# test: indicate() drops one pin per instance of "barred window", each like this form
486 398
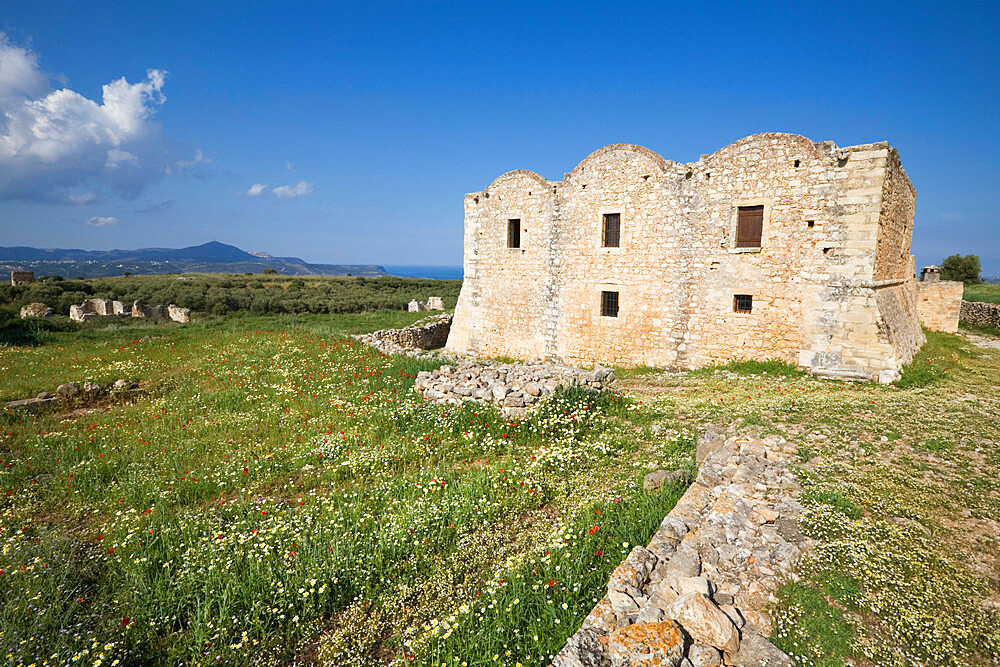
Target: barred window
609 304
742 303
612 231
514 233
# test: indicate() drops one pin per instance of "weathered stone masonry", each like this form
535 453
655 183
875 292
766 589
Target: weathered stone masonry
832 283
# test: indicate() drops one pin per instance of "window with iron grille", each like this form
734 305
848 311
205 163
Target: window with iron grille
609 304
514 233
749 226
612 232
742 303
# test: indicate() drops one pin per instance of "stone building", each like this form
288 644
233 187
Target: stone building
772 247
939 302
22 277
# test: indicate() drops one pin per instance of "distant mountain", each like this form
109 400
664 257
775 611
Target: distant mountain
212 257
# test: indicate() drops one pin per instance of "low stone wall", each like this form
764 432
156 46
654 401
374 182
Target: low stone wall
938 304
698 593
510 386
426 335
977 312
70 392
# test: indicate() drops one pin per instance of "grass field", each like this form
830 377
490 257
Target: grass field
276 493
985 292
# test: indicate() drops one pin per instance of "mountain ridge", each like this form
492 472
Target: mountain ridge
211 257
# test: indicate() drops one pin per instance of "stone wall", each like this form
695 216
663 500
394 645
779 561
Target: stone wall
834 220
22 277
698 593
425 335
94 308
939 304
975 312
513 387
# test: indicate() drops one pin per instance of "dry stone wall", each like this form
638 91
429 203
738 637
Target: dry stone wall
94 308
832 282
939 304
975 312
412 340
698 593
512 387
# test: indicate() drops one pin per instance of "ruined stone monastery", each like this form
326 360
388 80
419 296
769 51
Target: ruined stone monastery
772 247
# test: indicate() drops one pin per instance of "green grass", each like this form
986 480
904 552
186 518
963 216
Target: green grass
933 363
276 490
775 367
984 292
812 628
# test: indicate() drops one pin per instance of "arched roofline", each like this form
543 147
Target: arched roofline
806 142
519 172
650 155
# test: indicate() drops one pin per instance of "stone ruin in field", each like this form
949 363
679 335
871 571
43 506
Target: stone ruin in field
22 277
432 303
775 246
97 308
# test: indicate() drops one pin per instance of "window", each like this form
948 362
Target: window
749 226
742 303
612 234
514 233
609 304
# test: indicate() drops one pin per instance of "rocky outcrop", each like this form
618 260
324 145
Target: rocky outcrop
977 312
424 335
513 387
36 310
709 572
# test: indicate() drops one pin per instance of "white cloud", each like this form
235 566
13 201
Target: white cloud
57 145
102 222
289 191
288 165
256 190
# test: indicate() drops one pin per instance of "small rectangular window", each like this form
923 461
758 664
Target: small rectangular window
514 233
749 226
612 231
742 303
609 304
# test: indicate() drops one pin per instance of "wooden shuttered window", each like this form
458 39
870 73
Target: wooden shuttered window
514 233
749 226
611 233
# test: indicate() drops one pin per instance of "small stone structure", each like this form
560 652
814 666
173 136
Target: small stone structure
977 312
36 310
22 277
938 301
698 593
413 340
433 303
512 387
930 273
93 308
775 246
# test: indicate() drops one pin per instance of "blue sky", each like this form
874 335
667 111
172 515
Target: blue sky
363 124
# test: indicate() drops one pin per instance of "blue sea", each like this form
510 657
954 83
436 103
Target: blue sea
424 271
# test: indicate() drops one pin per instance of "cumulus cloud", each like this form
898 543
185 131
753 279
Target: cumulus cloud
108 221
290 191
57 145
282 191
